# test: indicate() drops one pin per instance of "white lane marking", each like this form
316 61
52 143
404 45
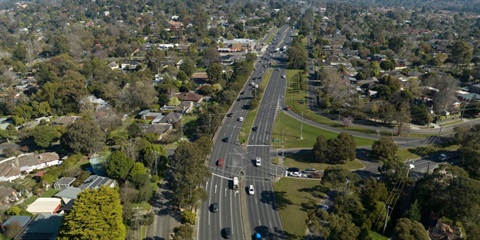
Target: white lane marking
215 188
206 185
269 222
214 174
256 203
236 193
225 192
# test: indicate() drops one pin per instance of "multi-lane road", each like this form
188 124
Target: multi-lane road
246 214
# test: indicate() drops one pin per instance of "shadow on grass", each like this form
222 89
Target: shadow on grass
422 151
281 201
304 155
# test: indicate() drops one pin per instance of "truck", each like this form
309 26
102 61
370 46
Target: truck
235 183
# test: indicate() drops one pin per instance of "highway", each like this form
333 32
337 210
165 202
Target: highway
244 214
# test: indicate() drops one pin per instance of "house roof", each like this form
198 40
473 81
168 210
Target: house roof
65 181
189 96
44 205
44 226
34 159
69 192
200 75
95 181
154 128
5 192
65 120
171 117
23 220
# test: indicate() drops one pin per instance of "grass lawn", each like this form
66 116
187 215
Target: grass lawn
303 159
143 205
291 133
251 115
186 118
50 192
296 99
376 236
423 151
291 195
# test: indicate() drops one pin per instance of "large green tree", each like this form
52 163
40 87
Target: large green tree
119 165
409 230
83 136
45 135
384 149
96 214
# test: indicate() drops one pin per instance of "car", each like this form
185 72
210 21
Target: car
287 108
220 162
258 236
283 76
240 119
309 170
227 233
258 161
251 191
229 114
294 174
214 207
225 139
255 128
442 157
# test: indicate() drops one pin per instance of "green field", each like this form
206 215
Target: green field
291 194
291 133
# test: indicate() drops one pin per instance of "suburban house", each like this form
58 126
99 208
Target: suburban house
95 181
148 115
64 121
22 220
63 182
189 96
171 118
43 226
113 65
8 195
45 205
130 65
12 168
200 77
184 107
158 129
68 196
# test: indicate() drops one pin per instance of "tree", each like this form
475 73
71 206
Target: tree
320 149
211 56
83 136
138 169
96 214
384 149
214 72
118 165
414 213
461 52
13 229
45 135
387 65
14 211
409 230
183 232
403 118
341 149
332 226
173 101
154 157
188 66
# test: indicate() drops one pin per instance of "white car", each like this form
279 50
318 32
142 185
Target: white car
294 174
258 161
250 190
240 119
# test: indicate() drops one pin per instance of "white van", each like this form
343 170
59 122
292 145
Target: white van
258 161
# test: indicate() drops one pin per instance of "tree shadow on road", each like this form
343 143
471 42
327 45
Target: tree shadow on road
154 238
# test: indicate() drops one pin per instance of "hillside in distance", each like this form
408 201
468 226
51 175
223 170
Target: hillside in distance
453 5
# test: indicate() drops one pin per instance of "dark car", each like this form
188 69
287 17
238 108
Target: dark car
229 114
225 139
214 207
255 128
227 232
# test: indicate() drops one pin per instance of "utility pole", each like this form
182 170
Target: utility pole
386 218
301 128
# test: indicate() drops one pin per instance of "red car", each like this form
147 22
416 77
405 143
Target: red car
220 162
287 108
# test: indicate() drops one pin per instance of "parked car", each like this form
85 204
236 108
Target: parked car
442 157
251 191
287 108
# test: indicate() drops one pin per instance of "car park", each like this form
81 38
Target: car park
251 191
